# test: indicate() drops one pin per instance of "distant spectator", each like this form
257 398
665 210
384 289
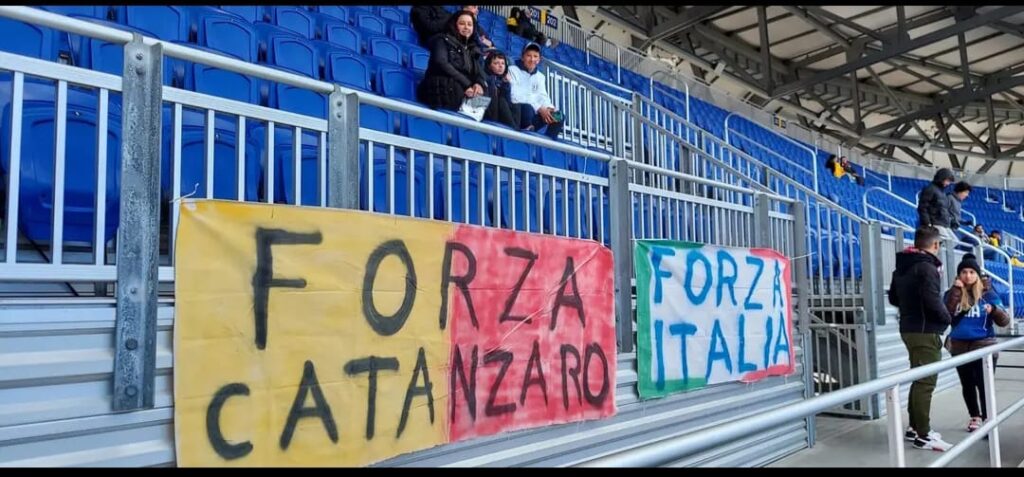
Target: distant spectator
956 199
530 93
480 36
499 89
842 167
995 238
933 205
519 23
454 71
428 21
979 232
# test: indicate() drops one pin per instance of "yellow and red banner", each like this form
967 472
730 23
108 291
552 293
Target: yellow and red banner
317 337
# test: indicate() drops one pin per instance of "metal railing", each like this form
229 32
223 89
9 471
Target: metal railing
671 449
590 114
812 173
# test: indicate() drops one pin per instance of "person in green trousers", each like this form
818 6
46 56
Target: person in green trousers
916 288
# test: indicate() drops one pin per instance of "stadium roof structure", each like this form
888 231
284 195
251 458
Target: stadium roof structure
895 81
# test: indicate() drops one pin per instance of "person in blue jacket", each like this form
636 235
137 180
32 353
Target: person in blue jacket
975 308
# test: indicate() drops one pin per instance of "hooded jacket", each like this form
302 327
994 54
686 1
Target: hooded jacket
454 66
428 21
932 203
916 289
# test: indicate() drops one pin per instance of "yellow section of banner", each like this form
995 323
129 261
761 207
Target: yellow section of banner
306 337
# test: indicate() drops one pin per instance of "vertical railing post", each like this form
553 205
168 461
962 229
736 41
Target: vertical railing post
800 264
620 212
762 222
138 234
874 308
894 411
989 378
343 150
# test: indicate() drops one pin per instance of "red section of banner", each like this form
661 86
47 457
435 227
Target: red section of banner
531 367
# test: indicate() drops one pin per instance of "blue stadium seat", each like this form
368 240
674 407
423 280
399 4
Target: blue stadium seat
298 20
394 15
417 57
166 22
37 161
347 68
297 55
371 22
403 33
397 83
108 57
251 13
337 11
29 40
344 36
225 159
384 48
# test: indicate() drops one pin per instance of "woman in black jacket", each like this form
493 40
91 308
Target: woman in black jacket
455 70
500 91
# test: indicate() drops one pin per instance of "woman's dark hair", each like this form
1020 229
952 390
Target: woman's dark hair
454 20
494 55
514 13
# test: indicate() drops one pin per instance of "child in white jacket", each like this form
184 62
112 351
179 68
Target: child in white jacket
530 94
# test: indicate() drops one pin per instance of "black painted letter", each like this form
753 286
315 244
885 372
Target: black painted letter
596 400
506 359
510 302
321 409
263 278
388 325
566 350
462 283
469 389
413 390
571 301
371 365
539 380
220 445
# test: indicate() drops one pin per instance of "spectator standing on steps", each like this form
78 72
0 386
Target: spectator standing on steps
975 309
428 21
956 199
933 205
916 290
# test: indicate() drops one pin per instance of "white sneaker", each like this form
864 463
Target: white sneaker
932 443
974 424
911 434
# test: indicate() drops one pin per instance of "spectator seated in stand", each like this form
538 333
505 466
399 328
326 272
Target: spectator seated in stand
519 23
994 239
455 71
499 89
843 168
530 94
979 232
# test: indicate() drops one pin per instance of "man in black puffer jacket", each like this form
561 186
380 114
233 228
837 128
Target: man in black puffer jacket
428 21
933 205
916 288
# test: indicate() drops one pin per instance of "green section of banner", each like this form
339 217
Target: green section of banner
642 264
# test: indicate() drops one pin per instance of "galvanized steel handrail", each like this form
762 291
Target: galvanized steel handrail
814 154
114 35
706 136
668 450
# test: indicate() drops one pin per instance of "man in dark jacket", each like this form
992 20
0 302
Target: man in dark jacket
933 205
916 289
428 20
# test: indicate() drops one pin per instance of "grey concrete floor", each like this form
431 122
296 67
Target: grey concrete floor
844 442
